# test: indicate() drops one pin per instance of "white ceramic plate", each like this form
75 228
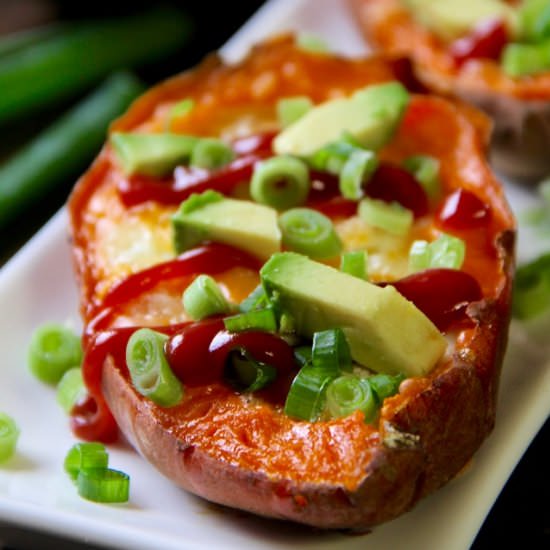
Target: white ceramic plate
37 286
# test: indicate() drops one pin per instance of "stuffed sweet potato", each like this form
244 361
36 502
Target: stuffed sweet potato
494 63
257 415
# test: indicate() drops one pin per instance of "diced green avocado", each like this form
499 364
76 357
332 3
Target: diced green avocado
152 154
450 19
385 332
370 117
239 223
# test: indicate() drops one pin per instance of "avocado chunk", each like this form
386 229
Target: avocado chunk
152 154
385 332
450 19
243 224
370 117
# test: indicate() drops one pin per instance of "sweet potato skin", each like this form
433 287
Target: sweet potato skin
519 107
426 434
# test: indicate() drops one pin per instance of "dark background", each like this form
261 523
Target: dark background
520 516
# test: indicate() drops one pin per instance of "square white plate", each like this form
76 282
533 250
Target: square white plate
37 286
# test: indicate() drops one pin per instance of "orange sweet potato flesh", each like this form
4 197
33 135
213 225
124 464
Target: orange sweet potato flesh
519 107
245 453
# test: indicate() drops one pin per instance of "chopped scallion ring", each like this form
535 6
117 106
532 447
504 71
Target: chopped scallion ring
330 351
258 319
290 109
179 110
103 485
312 43
419 255
333 156
257 299
149 370
85 456
447 251
532 288
53 350
280 182
357 170
425 169
355 263
302 354
306 397
71 389
391 217
210 153
204 298
247 374
350 393
9 434
309 232
385 385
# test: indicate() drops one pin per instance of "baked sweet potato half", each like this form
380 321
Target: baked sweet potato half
243 444
469 66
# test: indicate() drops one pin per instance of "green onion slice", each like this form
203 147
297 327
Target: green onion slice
385 385
247 374
357 170
333 156
391 217
257 299
350 393
306 397
204 298
9 434
71 389
312 43
149 370
425 169
419 255
355 263
290 109
532 288
525 59
330 351
211 153
447 251
85 456
258 319
53 350
280 182
309 232
302 354
103 485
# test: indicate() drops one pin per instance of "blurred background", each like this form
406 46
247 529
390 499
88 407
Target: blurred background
521 515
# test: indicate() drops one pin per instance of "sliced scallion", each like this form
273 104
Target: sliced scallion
419 255
350 393
53 350
385 385
149 370
333 156
356 172
425 169
179 110
85 456
354 263
310 233
257 299
280 182
71 389
330 351
103 485
247 374
210 153
312 43
447 251
391 217
306 397
302 354
258 319
204 298
290 109
9 434
532 288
